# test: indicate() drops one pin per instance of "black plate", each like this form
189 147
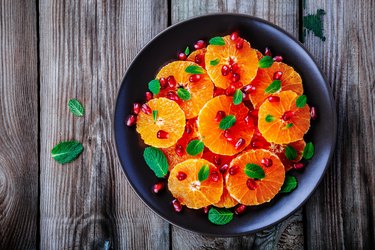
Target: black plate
162 49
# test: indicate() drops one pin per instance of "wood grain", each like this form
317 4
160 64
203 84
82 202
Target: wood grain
18 125
340 215
86 47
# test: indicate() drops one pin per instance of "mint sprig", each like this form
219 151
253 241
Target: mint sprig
217 40
187 51
273 87
301 101
154 86
254 171
214 62
154 115
290 153
195 147
76 107
290 183
265 62
203 173
308 151
194 69
237 97
220 216
66 151
183 94
227 122
156 160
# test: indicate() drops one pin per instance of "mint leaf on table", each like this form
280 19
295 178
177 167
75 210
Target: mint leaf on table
220 216
154 86
194 69
217 40
301 101
195 147
183 94
156 160
214 62
290 183
254 171
203 173
273 87
66 151
290 153
227 122
76 107
237 97
265 62
308 151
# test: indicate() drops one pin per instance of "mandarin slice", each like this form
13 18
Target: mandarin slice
260 191
215 138
170 118
283 122
226 200
192 192
197 56
200 91
244 61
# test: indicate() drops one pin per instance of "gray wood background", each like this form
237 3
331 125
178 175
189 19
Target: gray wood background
52 51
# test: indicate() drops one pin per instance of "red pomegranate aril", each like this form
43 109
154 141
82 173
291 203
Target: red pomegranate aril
198 59
298 165
179 150
273 98
188 129
313 113
245 97
131 120
277 75
287 116
217 160
146 109
235 77
225 70
171 81
182 56
214 176
148 96
177 206
181 176
230 90
219 91
171 95
199 44
267 52
156 188
161 134
206 209
219 115
248 119
240 209
233 36
248 89
239 44
163 83
228 135
251 184
224 168
234 170
254 113
136 108
234 68
278 58
267 162
240 142
259 144
195 78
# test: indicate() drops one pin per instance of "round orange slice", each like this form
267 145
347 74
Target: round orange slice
165 116
192 192
226 200
215 138
197 56
200 91
244 61
283 122
250 191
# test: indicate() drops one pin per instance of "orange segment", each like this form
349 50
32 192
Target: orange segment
200 54
190 191
226 200
170 118
290 80
278 130
266 188
246 59
213 137
200 91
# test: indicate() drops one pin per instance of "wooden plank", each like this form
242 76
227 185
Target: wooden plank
341 214
18 125
285 14
86 47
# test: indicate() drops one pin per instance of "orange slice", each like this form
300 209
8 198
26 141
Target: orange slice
197 56
265 189
279 150
283 122
192 192
170 118
226 200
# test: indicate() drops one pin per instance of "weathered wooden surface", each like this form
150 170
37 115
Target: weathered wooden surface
18 124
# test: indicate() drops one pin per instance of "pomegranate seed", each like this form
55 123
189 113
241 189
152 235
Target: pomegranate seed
146 109
234 68
231 61
182 56
181 176
177 206
188 129
234 170
171 81
249 89
224 168
254 113
277 75
225 70
278 58
148 96
239 44
235 77
179 150
239 143
287 116
298 165
313 113
217 160
199 44
163 83
171 95
249 119
156 188
195 78
219 91
161 134
267 52
240 209
245 97
198 59
215 176
219 115
206 209
267 162
273 98
136 108
230 90
259 144
251 184
228 135
131 120
233 36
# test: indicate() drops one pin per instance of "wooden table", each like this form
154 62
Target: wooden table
52 51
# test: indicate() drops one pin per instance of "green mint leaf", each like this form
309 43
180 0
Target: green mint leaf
183 94
265 62
270 118
156 160
203 173
217 40
154 86
76 107
308 151
289 125
214 62
195 147
220 216
254 171
290 183
227 122
194 69
273 87
155 115
290 153
301 101
237 97
187 51
66 151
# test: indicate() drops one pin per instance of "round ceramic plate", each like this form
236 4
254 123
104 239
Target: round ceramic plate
163 49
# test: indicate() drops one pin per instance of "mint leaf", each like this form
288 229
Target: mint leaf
76 107
66 151
270 118
289 125
237 97
290 153
214 62
203 173
308 151
265 62
273 87
156 160
301 101
227 122
254 171
217 40
220 216
195 147
187 51
290 183
183 94
194 69
155 115
154 86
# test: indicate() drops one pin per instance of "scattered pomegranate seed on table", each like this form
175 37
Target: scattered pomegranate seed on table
156 188
240 209
251 184
131 120
136 108
146 109
219 116
267 162
177 206
181 176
